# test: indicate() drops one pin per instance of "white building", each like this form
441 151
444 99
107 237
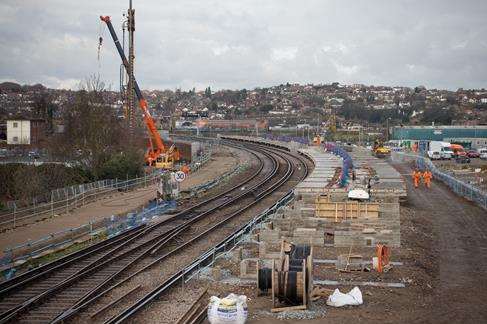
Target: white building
18 132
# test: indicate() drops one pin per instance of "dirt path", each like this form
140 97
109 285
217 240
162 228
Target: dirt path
461 246
444 251
221 162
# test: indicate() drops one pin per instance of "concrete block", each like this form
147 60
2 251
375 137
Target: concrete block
248 268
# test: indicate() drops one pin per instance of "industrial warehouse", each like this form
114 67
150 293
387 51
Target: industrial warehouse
468 136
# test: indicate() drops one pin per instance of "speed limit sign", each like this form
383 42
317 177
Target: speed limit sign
180 176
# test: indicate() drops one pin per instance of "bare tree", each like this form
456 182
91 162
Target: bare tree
92 131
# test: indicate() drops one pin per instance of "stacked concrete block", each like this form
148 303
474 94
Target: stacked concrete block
248 268
270 250
311 236
268 235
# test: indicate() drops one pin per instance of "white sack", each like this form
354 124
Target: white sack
338 299
229 310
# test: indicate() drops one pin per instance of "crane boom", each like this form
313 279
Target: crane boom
149 121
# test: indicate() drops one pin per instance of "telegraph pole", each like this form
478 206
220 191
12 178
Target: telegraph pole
130 86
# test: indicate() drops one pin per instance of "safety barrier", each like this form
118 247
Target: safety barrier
347 161
66 199
298 139
110 226
461 188
209 257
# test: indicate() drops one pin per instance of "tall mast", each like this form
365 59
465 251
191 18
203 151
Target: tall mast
130 86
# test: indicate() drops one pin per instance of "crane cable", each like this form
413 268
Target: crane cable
101 32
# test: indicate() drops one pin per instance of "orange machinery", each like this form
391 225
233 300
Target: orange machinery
157 155
458 150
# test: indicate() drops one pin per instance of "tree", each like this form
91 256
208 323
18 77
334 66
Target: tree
208 92
93 133
265 108
122 165
213 106
438 115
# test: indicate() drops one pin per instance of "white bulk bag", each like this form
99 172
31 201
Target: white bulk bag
229 310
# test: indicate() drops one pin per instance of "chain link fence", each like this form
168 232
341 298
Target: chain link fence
109 226
458 186
65 199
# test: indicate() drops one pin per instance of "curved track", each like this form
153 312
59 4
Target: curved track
64 287
291 164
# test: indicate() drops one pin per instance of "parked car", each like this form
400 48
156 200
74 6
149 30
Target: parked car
473 154
34 154
483 153
483 156
462 159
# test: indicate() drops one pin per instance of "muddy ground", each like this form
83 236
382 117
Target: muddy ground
443 251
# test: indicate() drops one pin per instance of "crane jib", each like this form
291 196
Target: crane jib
161 149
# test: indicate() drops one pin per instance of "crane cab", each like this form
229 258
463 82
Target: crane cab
163 162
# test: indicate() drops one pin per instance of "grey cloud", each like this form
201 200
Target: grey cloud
235 44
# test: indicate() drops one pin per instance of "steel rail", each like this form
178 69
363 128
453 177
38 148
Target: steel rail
170 282
88 299
67 260
24 306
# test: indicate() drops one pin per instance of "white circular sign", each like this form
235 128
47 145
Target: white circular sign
180 176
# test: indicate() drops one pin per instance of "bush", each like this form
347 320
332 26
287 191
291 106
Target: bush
24 182
122 165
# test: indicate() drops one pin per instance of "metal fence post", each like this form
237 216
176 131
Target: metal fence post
91 231
67 201
15 209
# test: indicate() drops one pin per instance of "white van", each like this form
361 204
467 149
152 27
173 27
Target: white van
483 153
439 150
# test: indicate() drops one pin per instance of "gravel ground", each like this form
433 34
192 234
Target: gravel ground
443 237
222 161
152 277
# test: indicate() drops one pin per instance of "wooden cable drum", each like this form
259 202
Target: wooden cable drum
300 252
289 287
264 279
295 265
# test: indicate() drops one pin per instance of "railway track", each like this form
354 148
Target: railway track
129 313
63 288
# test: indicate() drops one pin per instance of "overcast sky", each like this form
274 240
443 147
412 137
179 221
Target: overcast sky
246 43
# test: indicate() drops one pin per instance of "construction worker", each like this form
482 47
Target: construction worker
185 169
427 178
416 177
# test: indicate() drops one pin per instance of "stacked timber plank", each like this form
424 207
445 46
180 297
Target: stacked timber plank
390 181
325 168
